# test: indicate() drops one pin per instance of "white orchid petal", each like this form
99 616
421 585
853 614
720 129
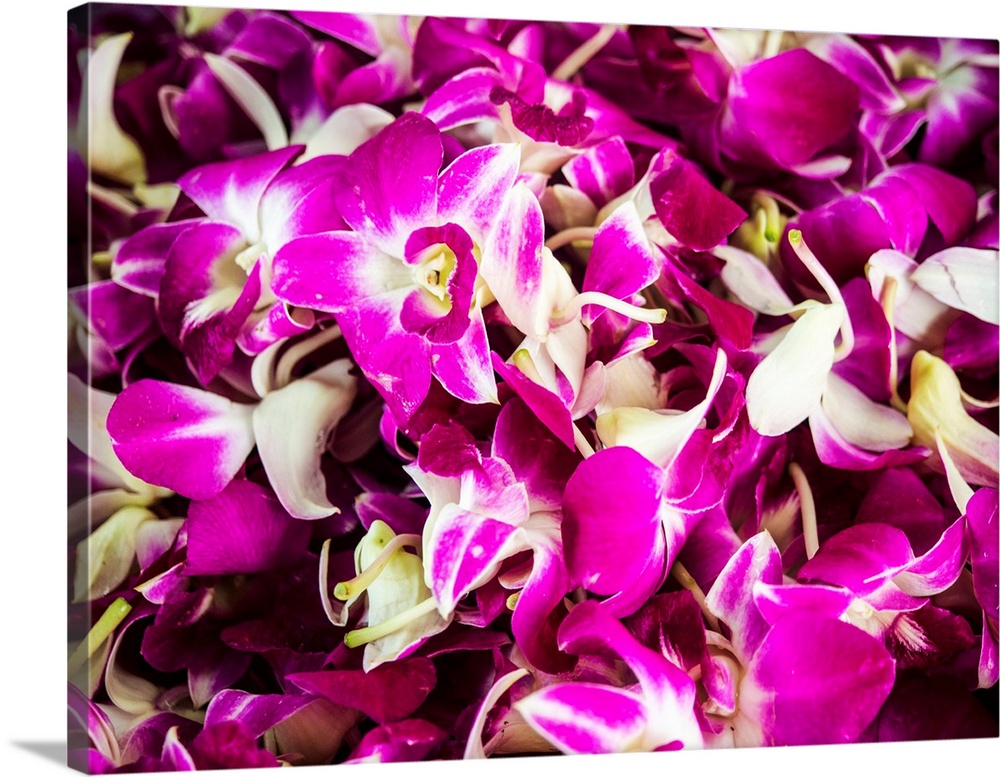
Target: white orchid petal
111 152
252 98
861 421
789 382
966 279
291 427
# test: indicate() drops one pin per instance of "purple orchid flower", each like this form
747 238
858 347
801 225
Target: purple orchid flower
425 253
821 704
210 275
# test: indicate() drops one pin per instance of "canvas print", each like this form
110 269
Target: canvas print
458 388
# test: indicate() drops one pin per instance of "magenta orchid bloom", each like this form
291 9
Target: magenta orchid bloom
425 253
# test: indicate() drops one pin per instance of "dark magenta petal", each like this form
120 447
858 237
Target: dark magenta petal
950 202
843 234
861 558
537 458
256 713
378 82
697 214
548 407
114 313
793 104
924 708
730 321
867 365
981 513
611 519
538 611
389 692
396 362
241 531
228 745
816 680
927 637
971 346
901 209
620 261
404 516
539 122
673 624
923 520
412 739
448 451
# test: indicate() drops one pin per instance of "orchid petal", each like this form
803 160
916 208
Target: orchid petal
252 98
731 597
389 692
815 681
938 568
610 520
333 271
789 383
935 408
231 191
186 439
512 261
471 190
585 718
256 713
963 278
106 557
110 151
862 422
292 426
243 530
345 130
140 261
390 184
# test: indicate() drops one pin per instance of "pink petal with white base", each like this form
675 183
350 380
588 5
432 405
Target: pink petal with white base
390 183
231 191
586 718
335 270
512 261
472 189
731 597
185 439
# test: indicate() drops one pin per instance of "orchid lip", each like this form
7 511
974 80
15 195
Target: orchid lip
435 266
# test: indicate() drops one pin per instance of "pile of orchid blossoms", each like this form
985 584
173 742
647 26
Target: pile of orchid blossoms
450 388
